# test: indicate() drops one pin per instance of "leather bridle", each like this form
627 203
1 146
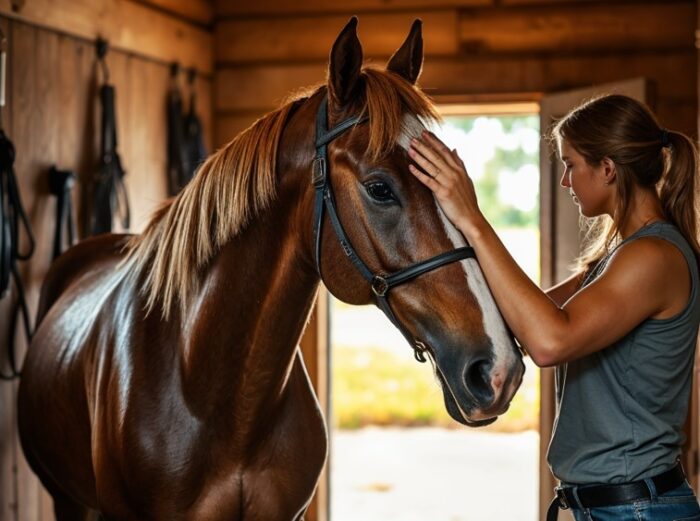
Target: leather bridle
380 283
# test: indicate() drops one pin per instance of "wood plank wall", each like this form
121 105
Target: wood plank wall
475 49
53 118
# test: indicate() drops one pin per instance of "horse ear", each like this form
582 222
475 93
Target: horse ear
408 60
345 64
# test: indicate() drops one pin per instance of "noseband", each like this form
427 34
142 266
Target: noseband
380 283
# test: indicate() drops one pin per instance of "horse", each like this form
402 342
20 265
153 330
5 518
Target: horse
165 380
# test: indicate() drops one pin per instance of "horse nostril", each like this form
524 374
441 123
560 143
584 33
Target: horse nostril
478 380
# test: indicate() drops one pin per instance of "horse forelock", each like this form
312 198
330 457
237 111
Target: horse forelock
238 182
397 111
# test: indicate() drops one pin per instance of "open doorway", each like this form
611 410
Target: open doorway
396 454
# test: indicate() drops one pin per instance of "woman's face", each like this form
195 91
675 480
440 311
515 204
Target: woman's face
588 185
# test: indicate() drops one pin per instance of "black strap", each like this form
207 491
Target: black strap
61 183
12 217
177 157
466 252
195 150
597 496
186 149
109 197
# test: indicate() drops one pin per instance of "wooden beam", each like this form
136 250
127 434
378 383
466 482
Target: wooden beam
263 87
128 26
309 38
198 11
578 2
671 72
494 74
579 28
227 8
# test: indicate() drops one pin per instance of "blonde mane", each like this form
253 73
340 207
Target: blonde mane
238 182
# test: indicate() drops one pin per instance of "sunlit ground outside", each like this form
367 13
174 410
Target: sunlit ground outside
396 453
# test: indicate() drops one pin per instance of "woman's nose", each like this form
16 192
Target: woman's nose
564 182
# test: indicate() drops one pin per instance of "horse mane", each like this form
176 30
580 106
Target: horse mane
236 183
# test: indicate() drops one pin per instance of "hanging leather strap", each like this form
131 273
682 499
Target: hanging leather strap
186 149
12 219
195 150
177 157
109 197
60 183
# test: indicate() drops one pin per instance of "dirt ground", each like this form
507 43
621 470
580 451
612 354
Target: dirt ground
433 474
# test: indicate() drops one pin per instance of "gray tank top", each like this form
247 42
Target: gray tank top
621 410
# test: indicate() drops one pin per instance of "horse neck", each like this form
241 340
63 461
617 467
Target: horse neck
253 305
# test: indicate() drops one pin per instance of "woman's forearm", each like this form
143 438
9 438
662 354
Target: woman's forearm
536 321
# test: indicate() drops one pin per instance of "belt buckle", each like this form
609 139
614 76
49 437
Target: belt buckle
561 498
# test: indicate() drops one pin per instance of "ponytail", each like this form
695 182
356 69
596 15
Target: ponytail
678 187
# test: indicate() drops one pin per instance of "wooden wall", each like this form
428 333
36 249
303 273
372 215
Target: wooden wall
52 115
475 49
252 54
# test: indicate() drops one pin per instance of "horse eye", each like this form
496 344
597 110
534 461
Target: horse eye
380 191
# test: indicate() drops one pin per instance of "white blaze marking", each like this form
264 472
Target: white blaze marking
494 325
412 127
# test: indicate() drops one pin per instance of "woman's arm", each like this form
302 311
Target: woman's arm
565 289
631 289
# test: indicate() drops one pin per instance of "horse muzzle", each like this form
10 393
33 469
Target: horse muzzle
484 390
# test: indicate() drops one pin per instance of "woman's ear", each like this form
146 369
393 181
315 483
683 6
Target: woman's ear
609 170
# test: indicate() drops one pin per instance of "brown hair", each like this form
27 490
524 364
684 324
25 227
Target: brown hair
646 155
238 182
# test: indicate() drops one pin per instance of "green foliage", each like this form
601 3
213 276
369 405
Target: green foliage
373 386
499 213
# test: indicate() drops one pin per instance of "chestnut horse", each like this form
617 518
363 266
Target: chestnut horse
165 380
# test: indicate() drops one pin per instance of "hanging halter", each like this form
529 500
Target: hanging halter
380 283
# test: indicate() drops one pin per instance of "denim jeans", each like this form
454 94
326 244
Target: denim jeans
679 504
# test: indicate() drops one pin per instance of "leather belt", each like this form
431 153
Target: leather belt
607 495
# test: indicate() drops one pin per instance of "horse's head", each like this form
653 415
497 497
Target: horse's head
392 223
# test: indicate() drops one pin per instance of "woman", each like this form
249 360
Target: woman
623 329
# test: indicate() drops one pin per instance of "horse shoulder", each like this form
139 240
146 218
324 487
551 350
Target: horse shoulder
280 482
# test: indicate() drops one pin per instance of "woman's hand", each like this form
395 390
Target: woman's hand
448 179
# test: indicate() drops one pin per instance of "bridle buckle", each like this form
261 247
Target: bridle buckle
380 286
318 176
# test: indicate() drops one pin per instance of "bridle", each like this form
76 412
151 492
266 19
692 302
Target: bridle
380 283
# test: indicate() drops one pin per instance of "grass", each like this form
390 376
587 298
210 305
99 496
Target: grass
373 386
